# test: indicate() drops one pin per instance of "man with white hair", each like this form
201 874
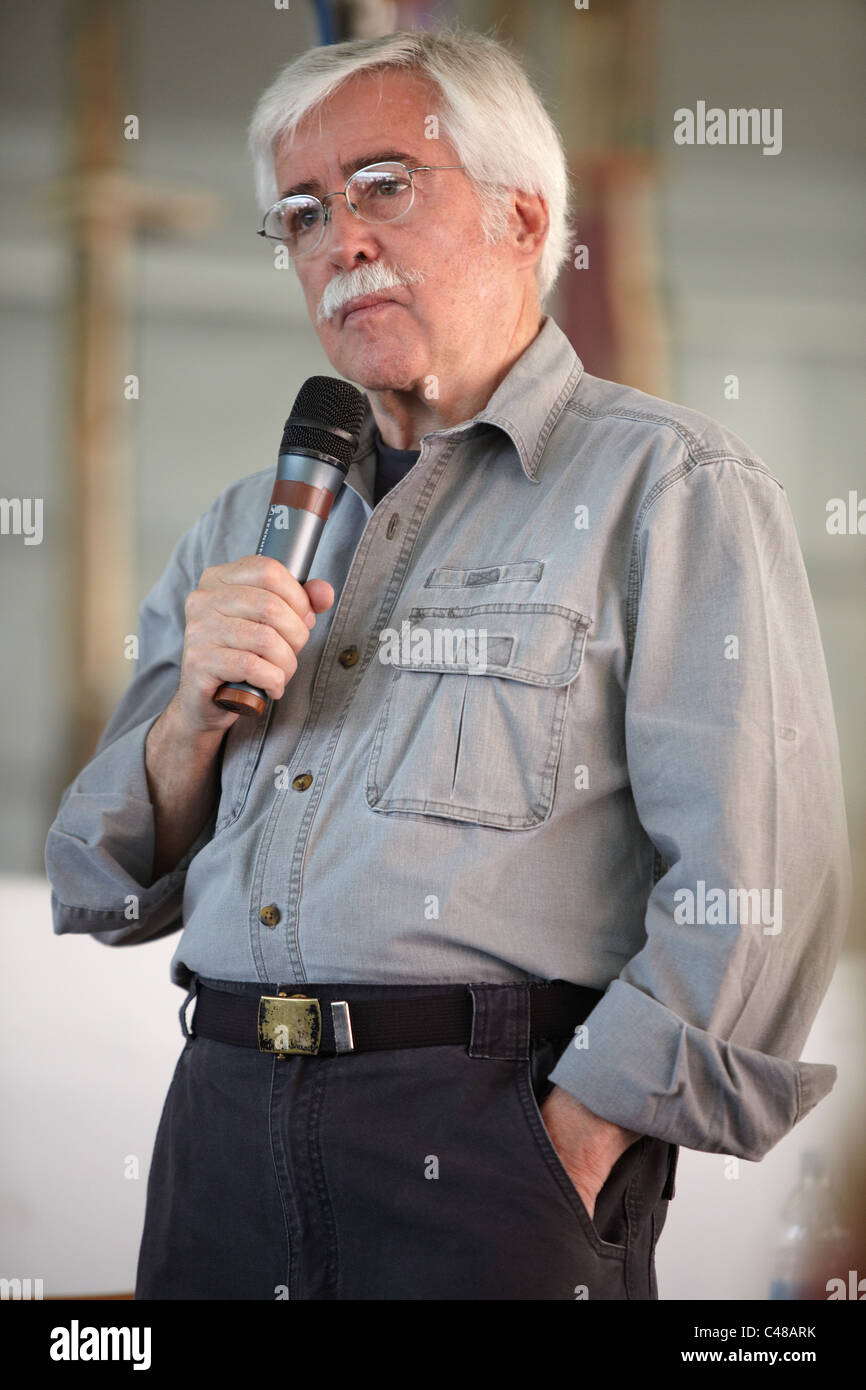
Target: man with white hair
521 919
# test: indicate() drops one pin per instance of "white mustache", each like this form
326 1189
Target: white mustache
374 278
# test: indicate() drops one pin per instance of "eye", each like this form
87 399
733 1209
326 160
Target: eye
300 219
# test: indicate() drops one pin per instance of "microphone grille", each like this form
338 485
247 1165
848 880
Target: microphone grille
326 417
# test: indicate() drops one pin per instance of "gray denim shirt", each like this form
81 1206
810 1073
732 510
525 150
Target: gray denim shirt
631 781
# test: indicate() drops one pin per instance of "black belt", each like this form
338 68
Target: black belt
326 1022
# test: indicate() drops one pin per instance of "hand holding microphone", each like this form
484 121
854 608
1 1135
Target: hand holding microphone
248 620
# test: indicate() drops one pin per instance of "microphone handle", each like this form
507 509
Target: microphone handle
306 487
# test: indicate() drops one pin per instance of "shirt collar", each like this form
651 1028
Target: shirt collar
526 404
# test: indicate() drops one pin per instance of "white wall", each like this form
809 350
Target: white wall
90 1037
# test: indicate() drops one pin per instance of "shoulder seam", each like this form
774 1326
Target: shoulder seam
652 417
696 453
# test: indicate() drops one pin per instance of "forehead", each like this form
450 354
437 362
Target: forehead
371 112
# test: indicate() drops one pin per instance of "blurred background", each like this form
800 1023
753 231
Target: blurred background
151 354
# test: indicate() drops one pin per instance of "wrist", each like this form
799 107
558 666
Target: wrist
172 731
596 1141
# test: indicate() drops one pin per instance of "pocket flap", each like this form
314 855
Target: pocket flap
541 643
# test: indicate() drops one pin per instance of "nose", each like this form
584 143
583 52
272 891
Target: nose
348 237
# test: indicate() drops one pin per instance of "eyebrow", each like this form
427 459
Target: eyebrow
352 166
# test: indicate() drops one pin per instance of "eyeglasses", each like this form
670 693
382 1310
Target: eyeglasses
377 193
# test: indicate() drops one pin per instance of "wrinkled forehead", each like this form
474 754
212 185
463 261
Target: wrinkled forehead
368 112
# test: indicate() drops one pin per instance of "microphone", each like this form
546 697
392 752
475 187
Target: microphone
319 442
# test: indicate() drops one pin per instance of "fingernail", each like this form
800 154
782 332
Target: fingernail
310 619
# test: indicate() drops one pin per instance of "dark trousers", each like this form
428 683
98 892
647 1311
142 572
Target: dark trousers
414 1173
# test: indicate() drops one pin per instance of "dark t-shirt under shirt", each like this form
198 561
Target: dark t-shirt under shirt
391 466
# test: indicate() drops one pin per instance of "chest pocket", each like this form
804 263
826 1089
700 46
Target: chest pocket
241 751
471 740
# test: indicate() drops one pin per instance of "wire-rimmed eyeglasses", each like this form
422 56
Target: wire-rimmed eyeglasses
377 193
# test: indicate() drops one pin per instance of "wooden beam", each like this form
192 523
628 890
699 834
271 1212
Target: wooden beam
100 516
105 210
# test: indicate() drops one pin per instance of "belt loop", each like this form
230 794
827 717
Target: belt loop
500 1021
193 991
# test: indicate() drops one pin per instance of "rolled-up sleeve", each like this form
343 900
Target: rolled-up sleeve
734 767
100 847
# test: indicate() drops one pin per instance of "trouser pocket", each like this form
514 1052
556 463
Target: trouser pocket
607 1230
631 1206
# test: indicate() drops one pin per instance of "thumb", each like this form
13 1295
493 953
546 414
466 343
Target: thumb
320 593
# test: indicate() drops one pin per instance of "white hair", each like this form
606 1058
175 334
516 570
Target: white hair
490 113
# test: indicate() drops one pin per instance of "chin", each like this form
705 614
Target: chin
378 367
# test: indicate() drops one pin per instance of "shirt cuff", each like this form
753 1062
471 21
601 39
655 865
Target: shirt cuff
639 1065
99 851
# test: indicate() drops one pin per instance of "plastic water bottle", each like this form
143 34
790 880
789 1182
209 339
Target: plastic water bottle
813 1245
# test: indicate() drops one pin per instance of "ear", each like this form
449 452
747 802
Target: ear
530 225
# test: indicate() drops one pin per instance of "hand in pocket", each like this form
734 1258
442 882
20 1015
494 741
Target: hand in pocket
587 1145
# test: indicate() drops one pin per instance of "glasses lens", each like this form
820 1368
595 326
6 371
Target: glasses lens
380 192
296 222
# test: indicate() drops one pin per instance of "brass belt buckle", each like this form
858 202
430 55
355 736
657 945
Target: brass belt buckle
289 1024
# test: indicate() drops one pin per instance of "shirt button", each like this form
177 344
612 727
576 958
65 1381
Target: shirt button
348 656
302 781
270 915
392 525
